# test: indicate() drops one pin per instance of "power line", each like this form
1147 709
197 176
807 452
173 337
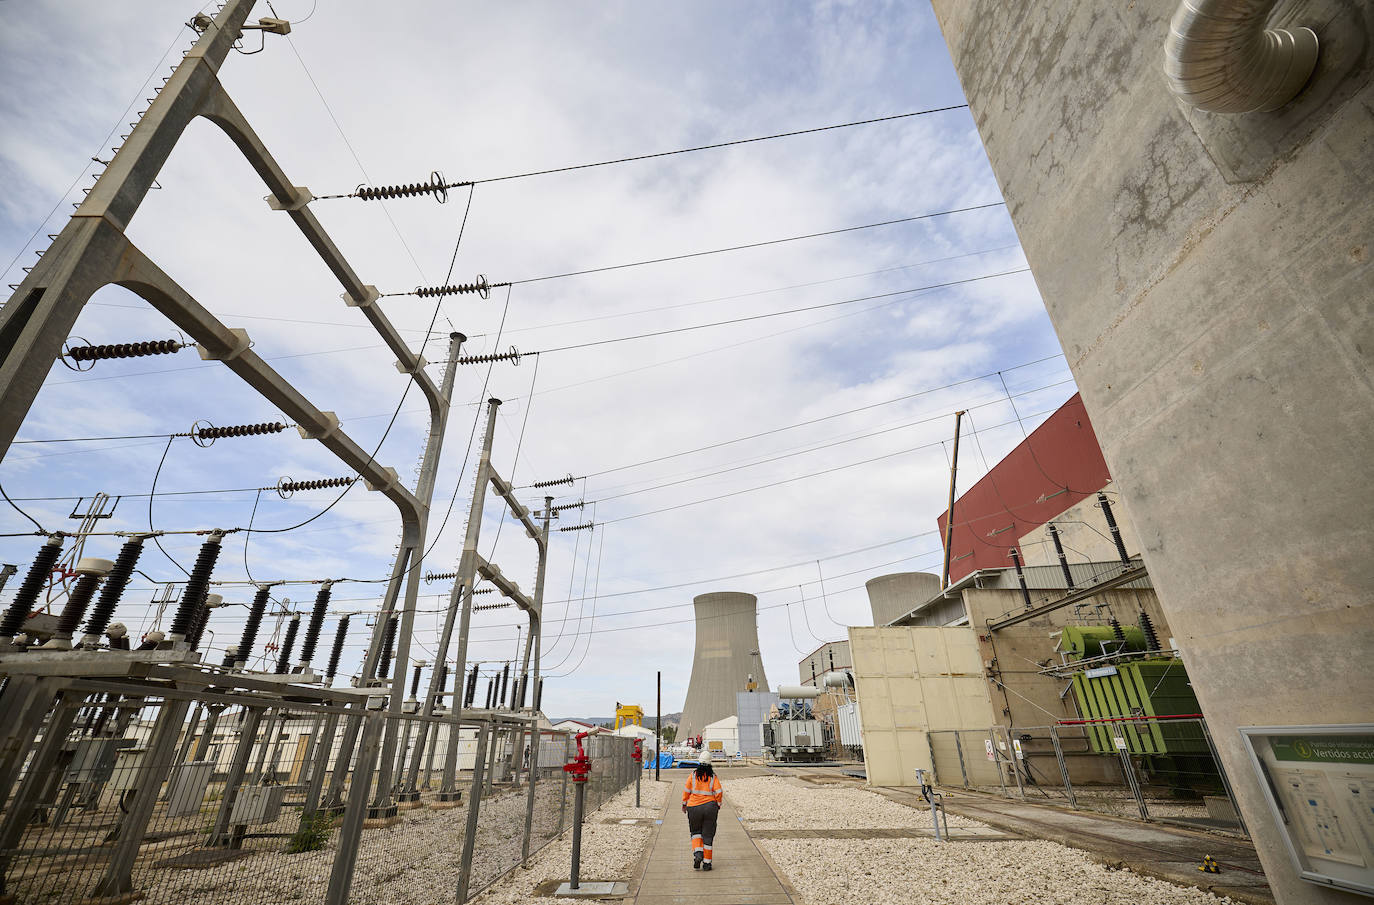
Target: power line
722 144
717 251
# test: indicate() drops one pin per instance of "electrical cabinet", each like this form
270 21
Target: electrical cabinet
257 805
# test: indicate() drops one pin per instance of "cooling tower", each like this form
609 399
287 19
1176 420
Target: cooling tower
727 639
895 595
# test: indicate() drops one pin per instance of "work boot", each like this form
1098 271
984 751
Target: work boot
696 861
706 866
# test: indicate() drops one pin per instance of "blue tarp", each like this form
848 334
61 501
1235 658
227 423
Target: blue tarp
664 760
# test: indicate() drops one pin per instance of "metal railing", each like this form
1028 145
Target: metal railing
185 798
1161 769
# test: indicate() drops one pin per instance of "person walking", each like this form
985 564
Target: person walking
701 801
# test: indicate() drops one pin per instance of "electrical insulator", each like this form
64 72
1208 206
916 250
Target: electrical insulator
312 630
250 628
505 680
431 577
286 486
492 606
75 356
208 434
113 589
538 694
284 660
339 634
480 286
415 682
554 483
197 586
27 595
582 527
513 355
388 639
436 187
1147 627
90 571
578 505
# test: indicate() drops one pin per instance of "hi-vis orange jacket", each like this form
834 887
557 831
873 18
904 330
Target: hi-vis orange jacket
700 791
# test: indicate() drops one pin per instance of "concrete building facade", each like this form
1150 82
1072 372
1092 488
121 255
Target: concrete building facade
727 654
1210 279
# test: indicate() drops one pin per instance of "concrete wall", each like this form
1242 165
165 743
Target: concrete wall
1210 281
891 596
726 631
911 681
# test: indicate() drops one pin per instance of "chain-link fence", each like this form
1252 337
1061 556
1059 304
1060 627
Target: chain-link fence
189 796
1162 769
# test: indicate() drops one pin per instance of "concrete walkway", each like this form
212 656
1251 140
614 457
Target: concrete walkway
740 875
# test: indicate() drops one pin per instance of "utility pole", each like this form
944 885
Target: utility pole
658 728
949 513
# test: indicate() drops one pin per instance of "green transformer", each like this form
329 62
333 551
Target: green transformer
1140 688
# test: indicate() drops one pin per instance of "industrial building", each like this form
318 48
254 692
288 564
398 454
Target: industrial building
1197 218
999 647
726 660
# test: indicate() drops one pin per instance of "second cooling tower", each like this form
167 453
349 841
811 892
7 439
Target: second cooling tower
726 655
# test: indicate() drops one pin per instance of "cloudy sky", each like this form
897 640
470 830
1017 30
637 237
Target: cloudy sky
764 455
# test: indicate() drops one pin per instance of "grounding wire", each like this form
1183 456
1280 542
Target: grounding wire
19 510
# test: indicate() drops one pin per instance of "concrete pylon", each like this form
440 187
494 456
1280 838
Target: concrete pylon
895 595
726 655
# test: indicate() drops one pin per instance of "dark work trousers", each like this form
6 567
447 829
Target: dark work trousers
701 822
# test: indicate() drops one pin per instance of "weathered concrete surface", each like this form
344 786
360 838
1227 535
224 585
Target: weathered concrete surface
1210 281
1162 852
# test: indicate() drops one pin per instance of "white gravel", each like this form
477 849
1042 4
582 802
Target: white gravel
775 802
609 851
923 871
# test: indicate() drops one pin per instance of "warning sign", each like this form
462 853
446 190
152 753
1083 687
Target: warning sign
987 743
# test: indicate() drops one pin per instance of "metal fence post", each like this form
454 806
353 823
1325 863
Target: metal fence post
531 781
997 760
237 768
323 746
26 797
1128 769
1063 765
484 740
563 795
350 834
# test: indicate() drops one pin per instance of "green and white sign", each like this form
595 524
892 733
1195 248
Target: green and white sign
1324 749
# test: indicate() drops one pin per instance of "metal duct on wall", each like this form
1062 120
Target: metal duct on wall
1220 57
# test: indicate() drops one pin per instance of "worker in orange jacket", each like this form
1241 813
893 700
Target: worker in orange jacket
701 801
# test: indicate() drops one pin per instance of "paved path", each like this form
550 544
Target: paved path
740 875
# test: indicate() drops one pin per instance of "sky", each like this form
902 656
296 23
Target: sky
792 455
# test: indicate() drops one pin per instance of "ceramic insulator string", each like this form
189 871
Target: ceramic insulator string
212 433
312 630
537 485
388 640
479 287
513 355
91 353
436 186
287 486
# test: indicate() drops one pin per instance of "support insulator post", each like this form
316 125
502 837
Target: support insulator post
115 582
339 634
90 571
250 628
1063 560
470 688
1117 631
1112 527
197 586
388 640
27 595
491 688
312 629
284 661
1021 577
538 694
505 680
415 682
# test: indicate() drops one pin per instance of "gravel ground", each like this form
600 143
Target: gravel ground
923 871
609 851
775 802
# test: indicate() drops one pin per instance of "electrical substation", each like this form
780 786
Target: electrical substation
1078 605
